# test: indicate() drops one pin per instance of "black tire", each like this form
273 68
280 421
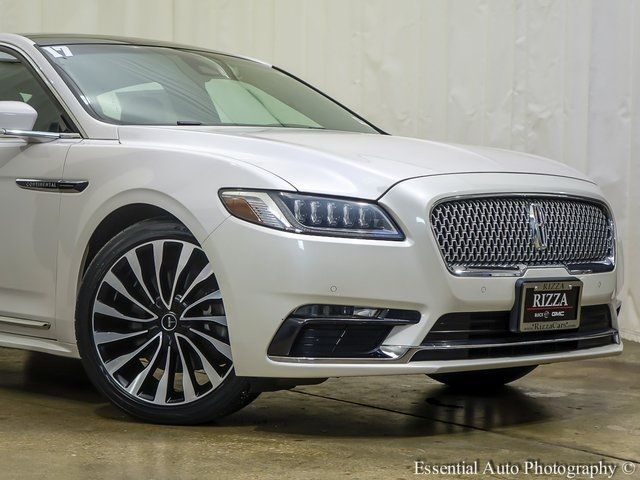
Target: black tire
481 380
226 394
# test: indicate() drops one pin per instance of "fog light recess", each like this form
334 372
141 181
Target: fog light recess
338 331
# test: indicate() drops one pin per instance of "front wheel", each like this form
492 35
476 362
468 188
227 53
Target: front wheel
482 379
152 330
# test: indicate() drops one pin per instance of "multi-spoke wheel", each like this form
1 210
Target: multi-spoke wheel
152 329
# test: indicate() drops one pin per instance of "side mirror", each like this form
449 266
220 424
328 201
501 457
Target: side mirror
17 116
17 120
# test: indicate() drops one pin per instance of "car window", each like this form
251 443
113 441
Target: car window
17 83
135 103
241 103
144 85
234 103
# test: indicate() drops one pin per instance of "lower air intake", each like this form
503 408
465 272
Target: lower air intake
337 331
482 335
339 341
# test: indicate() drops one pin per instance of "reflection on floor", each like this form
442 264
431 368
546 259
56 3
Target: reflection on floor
53 424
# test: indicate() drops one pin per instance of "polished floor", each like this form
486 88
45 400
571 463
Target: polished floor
54 425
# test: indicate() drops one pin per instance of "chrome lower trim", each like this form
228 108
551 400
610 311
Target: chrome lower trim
21 322
593 267
464 271
404 354
465 346
342 361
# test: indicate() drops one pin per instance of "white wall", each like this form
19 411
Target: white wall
559 78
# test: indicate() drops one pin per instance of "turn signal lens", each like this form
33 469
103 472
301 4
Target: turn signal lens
254 207
312 214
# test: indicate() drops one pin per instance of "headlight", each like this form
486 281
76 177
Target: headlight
312 214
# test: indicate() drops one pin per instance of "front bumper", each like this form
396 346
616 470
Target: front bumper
266 274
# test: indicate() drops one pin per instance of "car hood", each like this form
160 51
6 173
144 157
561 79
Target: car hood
344 163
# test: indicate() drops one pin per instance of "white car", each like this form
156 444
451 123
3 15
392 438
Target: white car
199 227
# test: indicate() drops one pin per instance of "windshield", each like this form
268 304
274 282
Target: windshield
143 85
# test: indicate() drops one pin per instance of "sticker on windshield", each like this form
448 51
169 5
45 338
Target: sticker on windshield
60 51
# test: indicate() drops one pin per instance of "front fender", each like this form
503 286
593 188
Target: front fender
183 183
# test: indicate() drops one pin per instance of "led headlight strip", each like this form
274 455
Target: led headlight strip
312 214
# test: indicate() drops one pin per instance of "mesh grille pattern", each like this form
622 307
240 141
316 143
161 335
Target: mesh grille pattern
493 232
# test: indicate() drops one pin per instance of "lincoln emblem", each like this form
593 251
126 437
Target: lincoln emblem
169 322
538 226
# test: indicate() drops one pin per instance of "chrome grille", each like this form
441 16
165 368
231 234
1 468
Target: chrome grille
494 232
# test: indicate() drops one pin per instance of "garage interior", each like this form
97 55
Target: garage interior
557 78
54 422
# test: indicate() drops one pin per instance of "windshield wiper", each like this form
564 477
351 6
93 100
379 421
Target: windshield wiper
285 125
292 125
188 123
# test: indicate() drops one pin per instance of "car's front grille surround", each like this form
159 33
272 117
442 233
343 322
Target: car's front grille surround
493 232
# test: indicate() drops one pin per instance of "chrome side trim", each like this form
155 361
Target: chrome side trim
405 354
21 322
607 265
48 185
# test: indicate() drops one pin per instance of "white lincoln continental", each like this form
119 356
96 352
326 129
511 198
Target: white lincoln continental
199 227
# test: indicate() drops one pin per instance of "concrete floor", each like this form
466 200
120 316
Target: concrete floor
54 425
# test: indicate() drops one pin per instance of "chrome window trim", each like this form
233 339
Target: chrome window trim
47 84
608 264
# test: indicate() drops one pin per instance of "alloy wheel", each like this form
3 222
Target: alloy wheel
159 324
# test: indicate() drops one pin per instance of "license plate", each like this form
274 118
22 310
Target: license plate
547 305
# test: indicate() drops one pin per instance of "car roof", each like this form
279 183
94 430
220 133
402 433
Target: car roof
52 39
49 39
